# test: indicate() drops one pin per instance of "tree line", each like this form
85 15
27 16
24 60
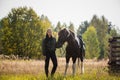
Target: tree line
22 31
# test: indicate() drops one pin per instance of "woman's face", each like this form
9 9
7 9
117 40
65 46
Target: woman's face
49 32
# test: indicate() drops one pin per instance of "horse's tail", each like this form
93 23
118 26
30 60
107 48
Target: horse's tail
83 56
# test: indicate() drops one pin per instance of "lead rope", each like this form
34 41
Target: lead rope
63 51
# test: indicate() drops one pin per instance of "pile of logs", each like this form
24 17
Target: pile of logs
114 54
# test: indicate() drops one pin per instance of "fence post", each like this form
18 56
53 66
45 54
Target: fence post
114 54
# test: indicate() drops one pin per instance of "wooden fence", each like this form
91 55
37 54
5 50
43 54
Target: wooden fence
114 54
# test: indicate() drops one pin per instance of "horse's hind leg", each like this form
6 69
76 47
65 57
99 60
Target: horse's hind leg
74 66
82 66
66 67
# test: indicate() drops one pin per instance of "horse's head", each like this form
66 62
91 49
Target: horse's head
62 37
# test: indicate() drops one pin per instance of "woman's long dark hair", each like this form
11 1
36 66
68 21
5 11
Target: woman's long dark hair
47 38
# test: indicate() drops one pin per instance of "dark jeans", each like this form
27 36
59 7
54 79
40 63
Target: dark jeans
54 61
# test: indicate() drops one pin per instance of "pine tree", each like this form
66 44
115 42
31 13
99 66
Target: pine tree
58 27
83 27
101 26
71 27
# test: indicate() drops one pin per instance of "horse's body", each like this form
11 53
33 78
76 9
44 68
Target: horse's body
74 48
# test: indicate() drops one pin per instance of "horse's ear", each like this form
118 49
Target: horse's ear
66 30
63 28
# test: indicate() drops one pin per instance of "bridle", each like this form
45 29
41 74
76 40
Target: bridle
68 35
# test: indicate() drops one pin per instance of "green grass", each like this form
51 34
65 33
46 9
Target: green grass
34 70
92 76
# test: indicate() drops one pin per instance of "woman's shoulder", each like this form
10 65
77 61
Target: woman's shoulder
43 40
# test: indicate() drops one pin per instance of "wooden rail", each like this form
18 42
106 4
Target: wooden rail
114 54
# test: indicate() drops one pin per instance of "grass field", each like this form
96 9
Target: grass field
34 70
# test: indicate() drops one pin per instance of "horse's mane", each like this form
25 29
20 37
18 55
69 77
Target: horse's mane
72 33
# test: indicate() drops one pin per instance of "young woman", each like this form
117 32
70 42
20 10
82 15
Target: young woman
49 47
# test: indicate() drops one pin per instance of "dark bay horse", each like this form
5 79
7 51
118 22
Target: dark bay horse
74 48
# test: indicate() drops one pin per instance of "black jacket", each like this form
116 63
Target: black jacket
48 45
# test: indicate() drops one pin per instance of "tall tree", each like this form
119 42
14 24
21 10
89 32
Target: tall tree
92 43
64 25
71 27
101 26
111 30
83 27
58 27
45 24
23 31
0 37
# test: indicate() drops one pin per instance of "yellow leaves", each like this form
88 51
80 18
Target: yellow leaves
55 34
23 31
10 50
92 43
92 30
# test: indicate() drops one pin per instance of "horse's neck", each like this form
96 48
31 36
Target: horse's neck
70 40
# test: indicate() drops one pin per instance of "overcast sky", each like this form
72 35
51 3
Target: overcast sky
67 11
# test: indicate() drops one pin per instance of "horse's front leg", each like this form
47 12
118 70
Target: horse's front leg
67 64
74 66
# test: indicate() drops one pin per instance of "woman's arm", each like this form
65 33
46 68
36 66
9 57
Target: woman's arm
43 47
